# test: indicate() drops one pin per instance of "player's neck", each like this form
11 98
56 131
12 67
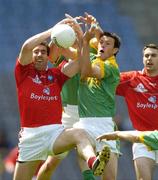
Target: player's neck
152 73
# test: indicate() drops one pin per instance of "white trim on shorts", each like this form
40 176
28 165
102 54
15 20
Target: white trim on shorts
140 150
96 126
37 143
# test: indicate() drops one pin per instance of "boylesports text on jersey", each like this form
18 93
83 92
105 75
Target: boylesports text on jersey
147 105
44 98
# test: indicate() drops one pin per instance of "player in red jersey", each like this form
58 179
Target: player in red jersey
42 134
140 90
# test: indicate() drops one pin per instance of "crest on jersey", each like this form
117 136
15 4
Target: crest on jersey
46 91
152 99
140 88
50 77
36 80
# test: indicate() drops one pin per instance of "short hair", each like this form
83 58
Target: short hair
153 46
117 39
45 43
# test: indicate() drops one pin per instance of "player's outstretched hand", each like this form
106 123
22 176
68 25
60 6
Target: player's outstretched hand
108 136
77 27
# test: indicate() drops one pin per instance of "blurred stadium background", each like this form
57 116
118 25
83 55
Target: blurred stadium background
136 23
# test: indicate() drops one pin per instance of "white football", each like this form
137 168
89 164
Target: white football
63 35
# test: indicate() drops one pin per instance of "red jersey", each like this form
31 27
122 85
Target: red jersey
39 95
141 95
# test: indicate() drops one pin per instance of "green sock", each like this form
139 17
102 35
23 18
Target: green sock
88 175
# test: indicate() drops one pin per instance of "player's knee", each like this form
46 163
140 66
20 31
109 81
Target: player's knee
81 135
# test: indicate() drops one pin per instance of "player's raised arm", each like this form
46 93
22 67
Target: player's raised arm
73 53
25 56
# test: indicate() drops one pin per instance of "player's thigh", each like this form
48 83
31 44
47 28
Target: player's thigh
25 170
68 139
144 168
144 161
110 172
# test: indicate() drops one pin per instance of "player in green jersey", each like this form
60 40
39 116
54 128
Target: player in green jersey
99 79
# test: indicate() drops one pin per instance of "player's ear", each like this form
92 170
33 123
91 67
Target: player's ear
115 50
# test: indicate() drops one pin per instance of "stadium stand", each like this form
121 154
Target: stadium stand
144 16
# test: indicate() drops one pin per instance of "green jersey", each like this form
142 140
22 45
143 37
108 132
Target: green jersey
97 97
69 91
150 139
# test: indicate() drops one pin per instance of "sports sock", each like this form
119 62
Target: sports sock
90 161
88 175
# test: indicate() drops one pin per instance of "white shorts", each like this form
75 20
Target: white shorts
70 115
96 127
140 150
37 143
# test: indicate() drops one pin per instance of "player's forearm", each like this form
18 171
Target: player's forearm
70 53
85 64
37 39
71 68
25 56
132 136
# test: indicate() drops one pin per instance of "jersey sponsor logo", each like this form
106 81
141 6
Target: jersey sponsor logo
36 80
46 91
43 97
140 88
151 104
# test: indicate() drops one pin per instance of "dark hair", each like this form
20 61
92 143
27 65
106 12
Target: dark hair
117 39
45 43
153 46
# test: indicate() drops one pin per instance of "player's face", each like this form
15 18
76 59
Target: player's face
150 60
106 47
40 57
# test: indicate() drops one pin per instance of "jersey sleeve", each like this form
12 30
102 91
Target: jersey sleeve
20 72
150 139
111 72
62 64
125 79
